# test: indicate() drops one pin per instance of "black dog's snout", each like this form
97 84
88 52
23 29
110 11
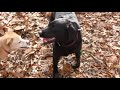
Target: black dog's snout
40 33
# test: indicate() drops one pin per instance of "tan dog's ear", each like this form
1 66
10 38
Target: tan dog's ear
3 30
9 40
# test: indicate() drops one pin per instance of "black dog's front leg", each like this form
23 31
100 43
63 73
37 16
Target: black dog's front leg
55 66
56 58
78 56
77 63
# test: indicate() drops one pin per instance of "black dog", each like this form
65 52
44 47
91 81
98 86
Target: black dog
64 27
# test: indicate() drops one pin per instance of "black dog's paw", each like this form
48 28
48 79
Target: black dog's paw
56 75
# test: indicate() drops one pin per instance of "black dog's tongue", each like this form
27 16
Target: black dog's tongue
48 40
45 39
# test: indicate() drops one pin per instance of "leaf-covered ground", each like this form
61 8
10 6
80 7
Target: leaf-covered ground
100 52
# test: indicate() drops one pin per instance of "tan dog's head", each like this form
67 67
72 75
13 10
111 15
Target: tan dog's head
12 41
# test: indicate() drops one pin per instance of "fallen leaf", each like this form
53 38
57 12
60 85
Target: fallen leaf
19 27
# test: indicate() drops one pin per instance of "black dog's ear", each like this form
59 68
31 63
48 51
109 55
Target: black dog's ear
72 28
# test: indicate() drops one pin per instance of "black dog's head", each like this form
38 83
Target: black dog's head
60 29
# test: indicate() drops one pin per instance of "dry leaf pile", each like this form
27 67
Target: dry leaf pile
100 52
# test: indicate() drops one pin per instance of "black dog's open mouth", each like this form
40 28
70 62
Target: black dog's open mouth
48 40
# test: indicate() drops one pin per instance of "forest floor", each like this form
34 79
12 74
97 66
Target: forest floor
100 51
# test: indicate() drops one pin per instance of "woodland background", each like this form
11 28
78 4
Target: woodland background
100 52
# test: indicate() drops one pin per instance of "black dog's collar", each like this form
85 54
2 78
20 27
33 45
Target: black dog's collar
69 45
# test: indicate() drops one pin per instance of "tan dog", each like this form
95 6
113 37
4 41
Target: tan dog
10 42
